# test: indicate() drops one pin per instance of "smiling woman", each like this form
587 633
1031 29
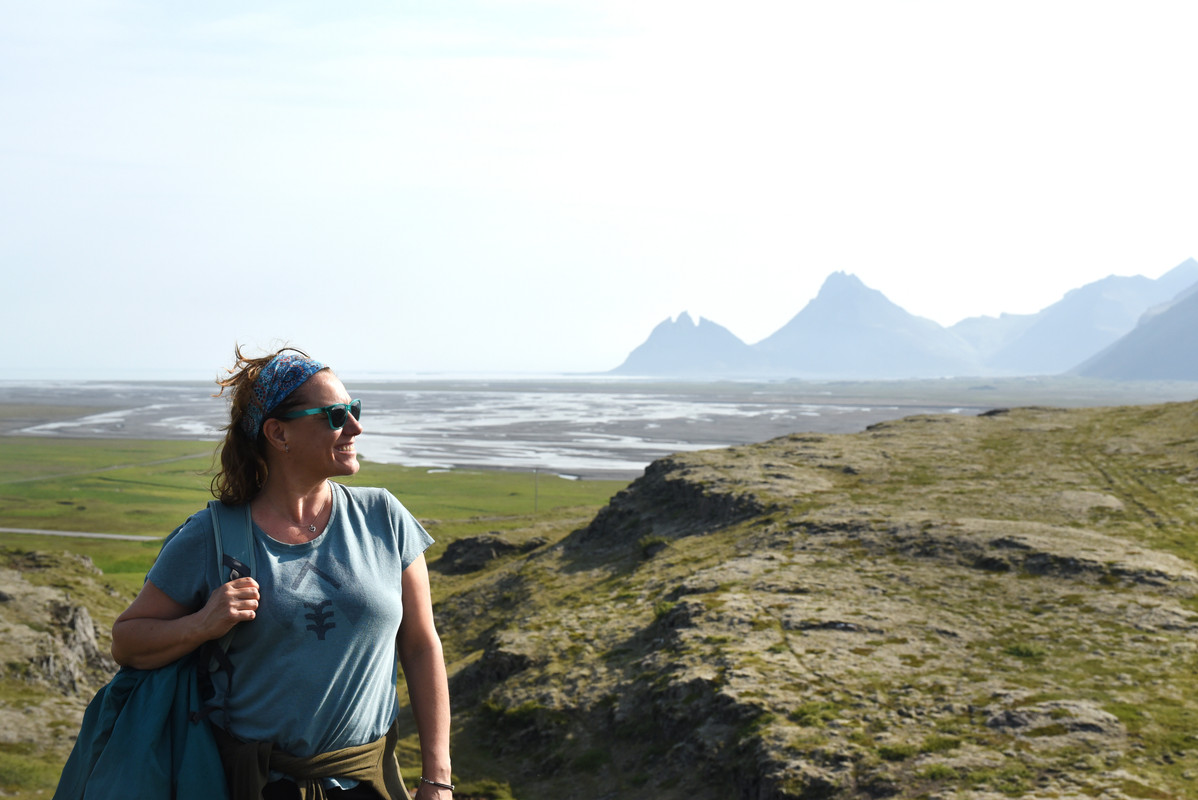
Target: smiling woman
341 581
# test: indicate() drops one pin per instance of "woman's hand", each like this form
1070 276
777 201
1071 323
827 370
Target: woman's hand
234 602
155 630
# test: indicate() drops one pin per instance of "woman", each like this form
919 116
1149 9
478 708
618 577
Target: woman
340 585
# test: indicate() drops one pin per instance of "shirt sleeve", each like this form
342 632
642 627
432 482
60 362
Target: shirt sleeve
186 565
413 538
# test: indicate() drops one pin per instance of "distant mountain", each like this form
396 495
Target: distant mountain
1164 346
989 335
685 348
852 331
1084 321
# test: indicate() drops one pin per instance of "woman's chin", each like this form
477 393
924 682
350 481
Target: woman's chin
348 464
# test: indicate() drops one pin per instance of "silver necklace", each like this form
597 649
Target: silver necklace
312 527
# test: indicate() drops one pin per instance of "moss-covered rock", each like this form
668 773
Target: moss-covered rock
971 607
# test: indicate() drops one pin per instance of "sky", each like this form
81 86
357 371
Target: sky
513 186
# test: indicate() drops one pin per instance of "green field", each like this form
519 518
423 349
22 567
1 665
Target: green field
148 487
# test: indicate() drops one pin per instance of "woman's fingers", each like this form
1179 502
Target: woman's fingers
234 602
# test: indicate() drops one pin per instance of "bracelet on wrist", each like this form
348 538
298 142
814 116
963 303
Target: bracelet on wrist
448 786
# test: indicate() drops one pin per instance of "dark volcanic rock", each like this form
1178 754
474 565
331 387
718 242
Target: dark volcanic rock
474 552
670 500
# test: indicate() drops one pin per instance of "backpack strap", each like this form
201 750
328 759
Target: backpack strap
232 531
231 525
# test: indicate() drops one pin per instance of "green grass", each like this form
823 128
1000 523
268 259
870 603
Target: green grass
149 487
897 752
152 497
20 768
104 486
939 744
938 772
1024 650
814 713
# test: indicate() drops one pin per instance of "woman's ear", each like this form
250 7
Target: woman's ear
275 433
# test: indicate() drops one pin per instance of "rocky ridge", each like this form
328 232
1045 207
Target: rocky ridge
55 655
943 606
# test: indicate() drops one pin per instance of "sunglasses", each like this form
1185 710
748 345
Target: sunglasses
338 413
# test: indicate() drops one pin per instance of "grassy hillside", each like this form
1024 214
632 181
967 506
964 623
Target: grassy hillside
940 606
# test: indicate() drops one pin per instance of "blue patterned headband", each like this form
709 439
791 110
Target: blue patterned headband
282 376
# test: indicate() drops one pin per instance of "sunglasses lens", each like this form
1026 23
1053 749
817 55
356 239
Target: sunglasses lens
339 415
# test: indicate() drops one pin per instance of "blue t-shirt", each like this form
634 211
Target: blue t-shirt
316 669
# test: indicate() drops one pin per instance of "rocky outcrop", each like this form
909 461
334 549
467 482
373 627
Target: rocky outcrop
938 607
55 655
70 657
50 639
472 553
674 498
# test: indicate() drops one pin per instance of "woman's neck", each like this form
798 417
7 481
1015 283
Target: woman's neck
292 512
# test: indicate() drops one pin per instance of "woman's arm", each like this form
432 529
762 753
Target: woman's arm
424 669
155 630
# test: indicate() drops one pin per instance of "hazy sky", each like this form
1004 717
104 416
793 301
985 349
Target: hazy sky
532 186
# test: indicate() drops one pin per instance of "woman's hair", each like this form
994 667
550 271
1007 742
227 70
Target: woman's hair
243 467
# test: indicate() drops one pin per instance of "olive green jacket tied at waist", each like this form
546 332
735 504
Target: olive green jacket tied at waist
248 766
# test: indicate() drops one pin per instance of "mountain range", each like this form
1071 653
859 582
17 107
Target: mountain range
1170 328
1118 327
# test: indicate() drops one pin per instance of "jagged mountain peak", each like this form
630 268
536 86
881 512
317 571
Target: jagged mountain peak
840 278
840 284
850 330
682 346
684 325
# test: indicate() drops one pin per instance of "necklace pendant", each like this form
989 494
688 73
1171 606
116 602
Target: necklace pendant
312 528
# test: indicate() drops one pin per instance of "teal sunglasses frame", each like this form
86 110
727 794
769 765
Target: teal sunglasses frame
353 407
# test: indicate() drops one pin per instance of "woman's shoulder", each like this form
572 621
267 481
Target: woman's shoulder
197 525
185 567
192 539
375 500
361 491
366 496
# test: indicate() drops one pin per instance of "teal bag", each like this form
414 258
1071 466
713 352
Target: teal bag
138 741
145 735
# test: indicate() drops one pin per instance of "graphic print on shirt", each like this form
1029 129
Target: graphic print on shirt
308 567
318 616
315 595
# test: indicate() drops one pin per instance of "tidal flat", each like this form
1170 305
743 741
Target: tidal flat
594 427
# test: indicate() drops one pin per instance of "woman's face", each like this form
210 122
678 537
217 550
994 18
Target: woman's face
313 445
